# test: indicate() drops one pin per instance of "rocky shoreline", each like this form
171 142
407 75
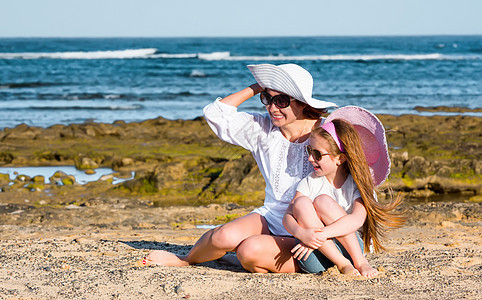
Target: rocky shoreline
182 162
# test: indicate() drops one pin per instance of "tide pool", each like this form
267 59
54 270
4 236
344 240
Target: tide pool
80 175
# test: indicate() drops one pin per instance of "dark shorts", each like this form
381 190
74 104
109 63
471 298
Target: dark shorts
317 262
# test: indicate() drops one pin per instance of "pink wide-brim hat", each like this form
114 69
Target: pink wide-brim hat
289 79
372 137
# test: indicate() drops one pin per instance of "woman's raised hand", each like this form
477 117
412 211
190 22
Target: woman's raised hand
256 88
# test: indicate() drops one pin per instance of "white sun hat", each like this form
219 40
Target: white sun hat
289 79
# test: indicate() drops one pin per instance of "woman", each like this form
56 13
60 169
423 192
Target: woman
276 140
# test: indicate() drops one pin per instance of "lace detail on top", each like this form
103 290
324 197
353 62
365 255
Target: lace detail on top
297 165
277 174
307 167
293 159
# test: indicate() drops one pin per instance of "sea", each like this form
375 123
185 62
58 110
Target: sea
47 81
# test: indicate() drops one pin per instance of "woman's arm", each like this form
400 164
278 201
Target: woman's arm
235 127
348 223
239 97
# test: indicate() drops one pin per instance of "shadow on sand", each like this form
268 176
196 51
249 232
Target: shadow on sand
183 250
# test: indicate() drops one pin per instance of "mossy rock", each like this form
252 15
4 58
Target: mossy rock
6 157
144 184
38 179
68 180
23 178
476 199
35 186
4 178
83 163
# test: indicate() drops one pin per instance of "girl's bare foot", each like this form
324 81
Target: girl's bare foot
349 270
367 270
164 258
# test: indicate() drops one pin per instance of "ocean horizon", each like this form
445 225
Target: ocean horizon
47 81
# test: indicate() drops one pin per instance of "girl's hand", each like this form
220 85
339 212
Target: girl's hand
320 235
312 237
301 251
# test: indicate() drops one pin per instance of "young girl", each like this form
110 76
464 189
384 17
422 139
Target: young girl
337 199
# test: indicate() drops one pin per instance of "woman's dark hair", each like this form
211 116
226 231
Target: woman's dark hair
312 113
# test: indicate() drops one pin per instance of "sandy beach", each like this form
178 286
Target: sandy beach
64 241
437 255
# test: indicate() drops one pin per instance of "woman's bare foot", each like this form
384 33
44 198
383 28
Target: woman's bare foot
367 270
349 270
164 258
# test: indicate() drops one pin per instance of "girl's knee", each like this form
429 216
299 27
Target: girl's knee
325 203
323 200
327 208
301 204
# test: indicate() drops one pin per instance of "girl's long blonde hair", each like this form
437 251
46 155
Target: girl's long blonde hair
379 217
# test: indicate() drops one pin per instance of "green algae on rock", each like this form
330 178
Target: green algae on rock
182 162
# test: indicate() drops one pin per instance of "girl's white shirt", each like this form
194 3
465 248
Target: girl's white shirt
282 163
312 186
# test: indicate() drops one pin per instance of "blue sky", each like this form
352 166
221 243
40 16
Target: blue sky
183 18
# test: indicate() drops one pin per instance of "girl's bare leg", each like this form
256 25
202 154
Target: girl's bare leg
329 211
213 244
352 246
307 217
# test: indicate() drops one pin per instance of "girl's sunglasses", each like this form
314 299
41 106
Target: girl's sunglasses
317 155
281 100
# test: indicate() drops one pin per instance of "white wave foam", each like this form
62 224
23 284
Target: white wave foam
112 97
215 56
126 107
77 106
226 55
203 56
197 73
431 56
167 55
116 54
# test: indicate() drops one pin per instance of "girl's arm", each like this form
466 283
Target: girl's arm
239 97
348 223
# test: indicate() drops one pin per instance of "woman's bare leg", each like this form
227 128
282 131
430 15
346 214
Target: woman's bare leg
329 211
267 253
213 244
307 217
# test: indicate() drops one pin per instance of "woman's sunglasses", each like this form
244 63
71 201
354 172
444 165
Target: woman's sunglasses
317 155
281 100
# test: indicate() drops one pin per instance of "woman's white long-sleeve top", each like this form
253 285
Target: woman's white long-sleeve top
282 163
